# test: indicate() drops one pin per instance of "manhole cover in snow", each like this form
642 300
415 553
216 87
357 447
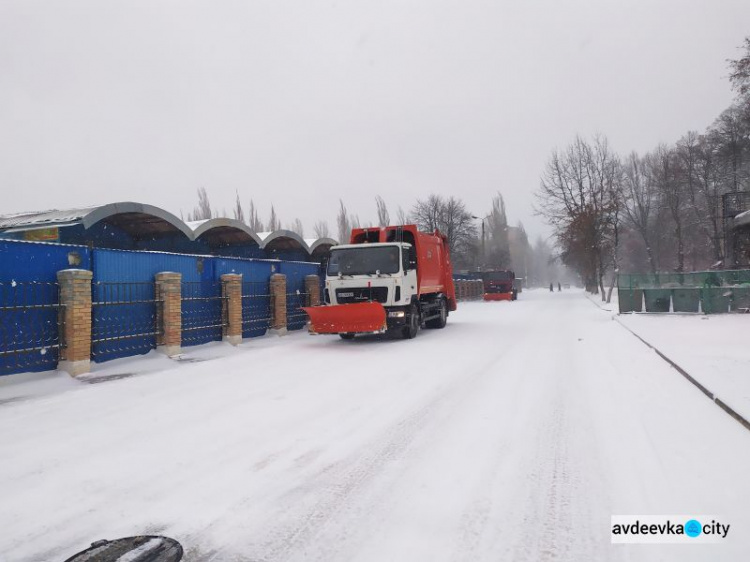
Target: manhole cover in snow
131 549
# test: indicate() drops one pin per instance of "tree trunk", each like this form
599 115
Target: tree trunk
611 288
680 248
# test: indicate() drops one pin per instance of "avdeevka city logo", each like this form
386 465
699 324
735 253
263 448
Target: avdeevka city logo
693 528
646 529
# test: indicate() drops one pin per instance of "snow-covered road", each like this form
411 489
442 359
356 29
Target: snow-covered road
513 434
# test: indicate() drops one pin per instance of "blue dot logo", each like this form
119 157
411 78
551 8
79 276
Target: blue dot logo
693 528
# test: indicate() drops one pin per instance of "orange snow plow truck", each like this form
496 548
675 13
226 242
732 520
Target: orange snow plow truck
390 279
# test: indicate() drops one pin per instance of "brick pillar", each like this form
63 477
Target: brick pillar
278 304
168 290
75 325
312 288
231 290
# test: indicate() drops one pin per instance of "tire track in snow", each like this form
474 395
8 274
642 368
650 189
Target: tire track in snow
333 491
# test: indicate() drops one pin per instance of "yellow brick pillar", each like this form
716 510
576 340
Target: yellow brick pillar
231 291
168 291
75 321
312 288
278 304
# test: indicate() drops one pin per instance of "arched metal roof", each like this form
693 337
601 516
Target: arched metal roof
321 247
284 240
226 231
137 219
140 220
322 243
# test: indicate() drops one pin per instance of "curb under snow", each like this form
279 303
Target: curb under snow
715 399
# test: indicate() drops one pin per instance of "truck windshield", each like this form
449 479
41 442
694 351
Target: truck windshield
498 276
364 260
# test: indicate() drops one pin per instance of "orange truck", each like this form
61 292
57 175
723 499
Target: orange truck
387 279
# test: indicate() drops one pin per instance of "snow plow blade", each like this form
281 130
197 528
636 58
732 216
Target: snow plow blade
356 318
498 296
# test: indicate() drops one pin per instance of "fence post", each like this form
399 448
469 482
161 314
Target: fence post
168 291
231 291
75 315
278 304
312 288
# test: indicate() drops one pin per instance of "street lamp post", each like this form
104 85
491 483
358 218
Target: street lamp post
483 255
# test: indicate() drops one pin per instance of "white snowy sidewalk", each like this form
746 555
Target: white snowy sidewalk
513 434
714 349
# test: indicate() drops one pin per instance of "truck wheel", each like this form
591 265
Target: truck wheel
411 329
346 336
439 322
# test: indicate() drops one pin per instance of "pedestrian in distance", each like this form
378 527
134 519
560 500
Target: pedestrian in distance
559 287
551 288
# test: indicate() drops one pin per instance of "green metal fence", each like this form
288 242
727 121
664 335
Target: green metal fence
710 292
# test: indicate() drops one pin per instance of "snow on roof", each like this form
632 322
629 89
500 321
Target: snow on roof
38 218
195 224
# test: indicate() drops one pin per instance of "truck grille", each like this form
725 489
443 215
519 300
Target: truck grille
362 294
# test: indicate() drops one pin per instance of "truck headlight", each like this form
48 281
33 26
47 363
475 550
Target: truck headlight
396 314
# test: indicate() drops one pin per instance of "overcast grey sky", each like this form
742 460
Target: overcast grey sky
301 102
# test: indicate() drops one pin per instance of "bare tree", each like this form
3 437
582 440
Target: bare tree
384 219
256 225
401 216
669 176
640 199
450 217
740 68
203 211
273 221
239 213
427 213
579 198
496 248
321 229
731 137
297 227
343 224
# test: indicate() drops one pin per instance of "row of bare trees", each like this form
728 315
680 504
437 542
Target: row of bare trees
204 210
659 211
484 241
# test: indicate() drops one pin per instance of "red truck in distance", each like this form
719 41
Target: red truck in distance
499 285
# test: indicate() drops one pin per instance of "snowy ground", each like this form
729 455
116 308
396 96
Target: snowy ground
714 349
513 434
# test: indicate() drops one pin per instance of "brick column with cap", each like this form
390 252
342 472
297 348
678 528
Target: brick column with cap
168 290
278 304
75 321
231 291
312 288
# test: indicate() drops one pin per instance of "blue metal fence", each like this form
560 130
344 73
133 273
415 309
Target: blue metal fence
124 308
29 302
123 319
202 307
29 332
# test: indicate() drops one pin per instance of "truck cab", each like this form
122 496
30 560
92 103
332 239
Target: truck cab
378 272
